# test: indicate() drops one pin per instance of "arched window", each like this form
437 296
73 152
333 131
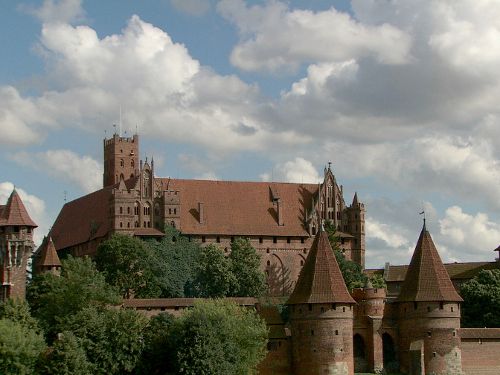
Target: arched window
147 209
122 163
136 208
132 164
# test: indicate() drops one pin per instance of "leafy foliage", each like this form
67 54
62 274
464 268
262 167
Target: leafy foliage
112 338
54 299
131 266
214 277
19 311
245 266
20 348
65 357
481 300
158 351
179 257
218 337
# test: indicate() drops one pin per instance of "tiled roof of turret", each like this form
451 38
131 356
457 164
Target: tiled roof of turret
426 278
320 280
14 212
47 255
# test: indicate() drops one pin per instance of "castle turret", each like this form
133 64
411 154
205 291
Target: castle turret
16 246
46 258
120 159
356 227
429 315
321 315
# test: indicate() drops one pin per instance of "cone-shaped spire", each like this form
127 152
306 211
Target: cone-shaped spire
47 256
14 212
355 200
320 280
426 278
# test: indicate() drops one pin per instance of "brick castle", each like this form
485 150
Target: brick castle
414 329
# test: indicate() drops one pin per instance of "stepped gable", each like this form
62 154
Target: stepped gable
242 208
320 280
426 278
14 212
47 255
82 220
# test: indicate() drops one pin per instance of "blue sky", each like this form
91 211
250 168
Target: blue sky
401 97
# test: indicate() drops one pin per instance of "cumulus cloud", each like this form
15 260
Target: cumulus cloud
34 205
475 232
81 171
274 36
298 170
195 8
57 11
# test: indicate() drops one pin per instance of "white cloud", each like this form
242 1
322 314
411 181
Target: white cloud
274 36
476 233
384 232
195 8
298 170
57 11
34 205
82 171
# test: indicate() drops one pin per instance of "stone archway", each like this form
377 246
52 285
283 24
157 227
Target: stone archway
360 360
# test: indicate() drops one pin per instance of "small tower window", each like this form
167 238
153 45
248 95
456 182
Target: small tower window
268 263
122 163
260 240
218 239
336 332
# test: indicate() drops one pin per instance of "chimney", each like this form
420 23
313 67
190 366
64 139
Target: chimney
279 206
201 212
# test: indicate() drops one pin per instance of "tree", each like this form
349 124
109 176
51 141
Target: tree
158 351
245 266
19 311
213 273
65 357
113 339
131 266
53 299
481 300
218 337
180 256
20 348
351 271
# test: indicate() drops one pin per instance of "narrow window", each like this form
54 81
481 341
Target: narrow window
218 239
310 307
288 240
312 332
268 262
336 332
260 240
121 210
203 239
301 239
275 239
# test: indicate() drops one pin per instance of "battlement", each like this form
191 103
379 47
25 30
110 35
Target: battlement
116 138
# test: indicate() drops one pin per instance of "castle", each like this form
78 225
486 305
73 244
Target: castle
414 329
280 219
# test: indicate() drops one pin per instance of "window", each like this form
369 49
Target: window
288 240
128 210
121 210
132 163
301 239
301 263
175 211
203 239
136 209
268 263
218 239
310 307
122 163
260 240
336 332
275 239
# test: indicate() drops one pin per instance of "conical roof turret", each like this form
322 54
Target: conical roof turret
47 255
14 213
320 280
355 200
427 278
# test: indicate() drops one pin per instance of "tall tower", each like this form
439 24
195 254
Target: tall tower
321 315
16 246
356 219
121 159
429 315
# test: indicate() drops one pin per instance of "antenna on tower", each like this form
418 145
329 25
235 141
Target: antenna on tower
65 196
120 121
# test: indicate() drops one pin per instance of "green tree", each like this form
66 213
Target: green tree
245 266
378 281
220 338
113 339
481 300
214 276
65 357
79 286
351 271
157 356
20 348
19 311
179 257
131 266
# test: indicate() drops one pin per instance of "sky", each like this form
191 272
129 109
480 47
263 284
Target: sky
400 96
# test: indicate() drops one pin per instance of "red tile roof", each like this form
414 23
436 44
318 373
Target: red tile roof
47 254
81 220
479 333
426 278
14 212
148 232
320 280
242 208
